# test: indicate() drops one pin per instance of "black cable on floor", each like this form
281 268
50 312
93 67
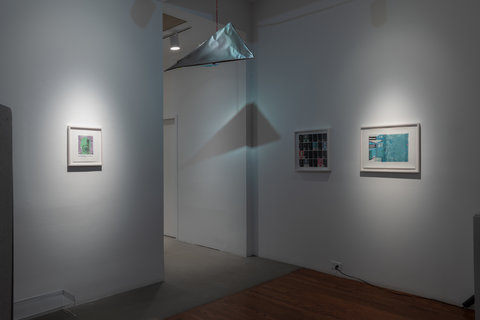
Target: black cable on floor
337 268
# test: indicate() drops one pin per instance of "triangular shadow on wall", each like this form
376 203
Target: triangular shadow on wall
242 130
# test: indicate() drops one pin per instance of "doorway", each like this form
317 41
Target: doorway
170 177
6 216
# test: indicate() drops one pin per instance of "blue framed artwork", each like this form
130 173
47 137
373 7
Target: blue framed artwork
391 148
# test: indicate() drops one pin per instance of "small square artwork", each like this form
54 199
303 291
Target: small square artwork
391 148
312 150
84 146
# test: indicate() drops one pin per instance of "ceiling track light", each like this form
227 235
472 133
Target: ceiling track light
174 42
174 39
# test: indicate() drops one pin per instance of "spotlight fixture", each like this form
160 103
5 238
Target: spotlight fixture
174 42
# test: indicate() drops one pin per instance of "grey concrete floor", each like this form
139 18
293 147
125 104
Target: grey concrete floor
194 276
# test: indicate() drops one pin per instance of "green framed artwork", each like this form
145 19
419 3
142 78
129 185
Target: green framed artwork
84 146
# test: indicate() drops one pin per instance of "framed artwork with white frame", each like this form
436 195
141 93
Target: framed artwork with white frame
394 148
84 146
312 150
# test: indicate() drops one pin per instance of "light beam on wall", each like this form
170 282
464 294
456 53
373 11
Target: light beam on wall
224 46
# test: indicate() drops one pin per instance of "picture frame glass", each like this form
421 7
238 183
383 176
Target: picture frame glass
391 148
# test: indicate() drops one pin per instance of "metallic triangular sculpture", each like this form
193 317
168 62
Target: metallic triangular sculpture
224 46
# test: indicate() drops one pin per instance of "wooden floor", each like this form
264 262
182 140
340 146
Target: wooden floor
307 294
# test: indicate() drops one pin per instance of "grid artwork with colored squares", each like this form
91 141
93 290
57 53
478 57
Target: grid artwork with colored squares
312 150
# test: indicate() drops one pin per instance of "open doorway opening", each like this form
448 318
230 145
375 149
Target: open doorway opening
205 165
170 177
6 214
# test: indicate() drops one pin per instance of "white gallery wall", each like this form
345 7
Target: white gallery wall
92 233
347 64
210 106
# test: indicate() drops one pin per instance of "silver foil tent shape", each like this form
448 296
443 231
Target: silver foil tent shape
224 46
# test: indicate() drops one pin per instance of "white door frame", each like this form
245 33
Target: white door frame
175 120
